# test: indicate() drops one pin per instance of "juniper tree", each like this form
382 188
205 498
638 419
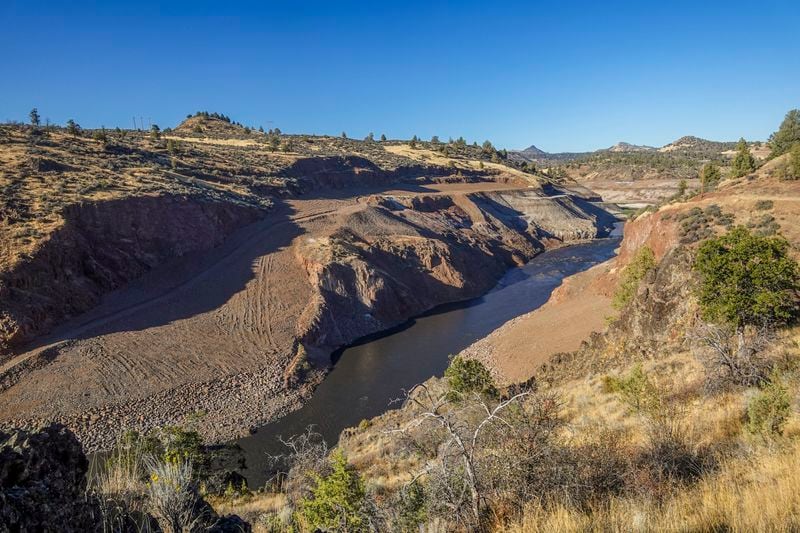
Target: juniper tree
383 137
748 286
101 135
743 163
338 500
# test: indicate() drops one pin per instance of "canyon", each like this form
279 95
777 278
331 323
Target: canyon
141 311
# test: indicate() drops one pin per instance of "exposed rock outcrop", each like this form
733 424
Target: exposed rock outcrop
655 322
101 246
43 489
404 255
43 482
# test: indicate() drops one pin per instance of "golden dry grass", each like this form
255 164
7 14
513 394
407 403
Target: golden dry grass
436 158
754 488
252 504
760 493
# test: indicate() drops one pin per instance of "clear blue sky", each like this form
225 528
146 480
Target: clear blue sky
562 75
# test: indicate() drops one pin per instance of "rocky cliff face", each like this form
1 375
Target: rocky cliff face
656 321
101 246
404 255
43 482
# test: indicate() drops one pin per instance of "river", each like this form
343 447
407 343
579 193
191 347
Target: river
369 374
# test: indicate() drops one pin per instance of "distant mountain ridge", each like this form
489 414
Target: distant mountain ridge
686 145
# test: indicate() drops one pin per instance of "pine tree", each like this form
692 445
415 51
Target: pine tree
787 135
413 143
155 132
73 128
709 176
794 162
34 115
344 135
370 138
383 137
743 163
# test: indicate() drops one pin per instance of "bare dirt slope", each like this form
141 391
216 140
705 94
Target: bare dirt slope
767 205
574 311
227 330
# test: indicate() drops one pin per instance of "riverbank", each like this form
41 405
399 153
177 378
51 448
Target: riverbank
375 371
578 308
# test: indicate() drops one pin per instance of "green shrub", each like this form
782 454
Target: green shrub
643 261
337 500
635 390
465 376
172 146
100 135
763 205
412 507
747 280
768 410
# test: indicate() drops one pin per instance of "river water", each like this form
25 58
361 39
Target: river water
369 374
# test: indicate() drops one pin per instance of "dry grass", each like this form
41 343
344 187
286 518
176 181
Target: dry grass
760 493
432 157
755 486
253 508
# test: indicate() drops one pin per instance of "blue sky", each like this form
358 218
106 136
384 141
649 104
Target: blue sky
562 75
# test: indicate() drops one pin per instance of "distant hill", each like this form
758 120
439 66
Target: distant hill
534 154
627 147
696 145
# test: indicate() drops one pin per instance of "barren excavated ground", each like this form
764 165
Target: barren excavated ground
574 311
582 304
208 333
